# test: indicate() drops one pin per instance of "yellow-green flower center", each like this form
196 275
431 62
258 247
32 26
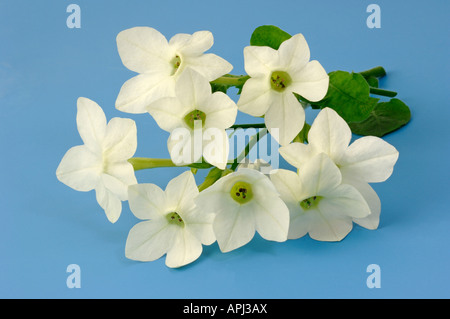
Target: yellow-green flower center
279 80
195 115
175 219
310 202
175 62
241 192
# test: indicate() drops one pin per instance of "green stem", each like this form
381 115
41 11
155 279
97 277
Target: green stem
377 72
145 163
382 92
256 125
253 140
231 80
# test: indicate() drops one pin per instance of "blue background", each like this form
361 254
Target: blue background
45 225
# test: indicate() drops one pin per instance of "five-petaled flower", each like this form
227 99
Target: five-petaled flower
275 76
197 120
319 203
172 225
368 159
160 63
244 202
102 162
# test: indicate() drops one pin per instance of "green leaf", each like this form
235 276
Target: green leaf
386 117
349 95
302 137
226 81
269 35
213 175
217 87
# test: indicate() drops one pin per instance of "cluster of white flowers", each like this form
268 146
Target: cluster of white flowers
327 192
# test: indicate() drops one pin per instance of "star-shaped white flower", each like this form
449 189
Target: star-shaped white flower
318 202
275 76
244 202
172 224
102 162
160 63
367 160
197 120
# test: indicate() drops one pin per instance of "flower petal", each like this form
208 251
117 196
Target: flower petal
147 201
216 147
192 45
120 141
79 169
288 184
139 92
209 65
192 89
181 191
319 176
311 82
297 154
369 158
345 200
234 227
109 201
272 218
329 226
372 221
115 185
186 248
185 146
123 172
91 123
294 53
256 96
300 221
214 199
168 113
200 222
260 61
220 110
144 50
262 186
330 134
285 118
149 240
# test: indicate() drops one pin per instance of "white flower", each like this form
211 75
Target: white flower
196 119
369 159
159 63
102 162
318 202
244 202
275 76
173 224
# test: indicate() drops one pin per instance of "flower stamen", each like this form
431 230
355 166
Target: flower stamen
279 80
175 62
310 202
174 218
241 192
195 115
